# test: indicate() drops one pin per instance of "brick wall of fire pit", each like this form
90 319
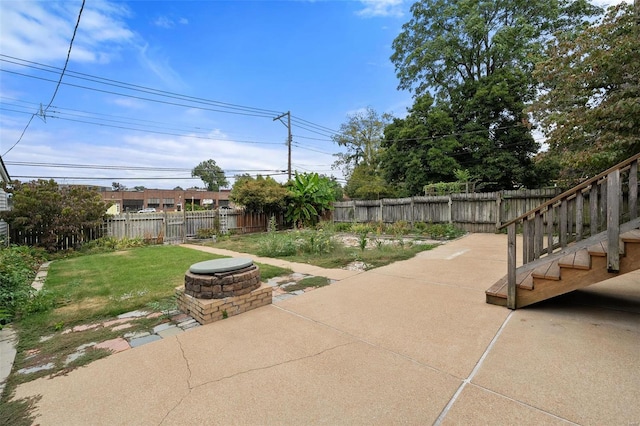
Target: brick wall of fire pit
206 311
222 284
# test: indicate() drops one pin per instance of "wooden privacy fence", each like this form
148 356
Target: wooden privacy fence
176 227
474 212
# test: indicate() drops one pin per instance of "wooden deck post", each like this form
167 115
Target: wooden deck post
579 215
614 190
511 264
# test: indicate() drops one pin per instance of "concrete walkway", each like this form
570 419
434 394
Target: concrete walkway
413 342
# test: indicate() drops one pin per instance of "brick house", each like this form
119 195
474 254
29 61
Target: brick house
166 200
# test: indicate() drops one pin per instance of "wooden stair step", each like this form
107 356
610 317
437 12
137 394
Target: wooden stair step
632 236
578 260
524 280
499 289
598 249
550 271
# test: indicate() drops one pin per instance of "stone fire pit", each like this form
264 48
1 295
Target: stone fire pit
219 278
219 288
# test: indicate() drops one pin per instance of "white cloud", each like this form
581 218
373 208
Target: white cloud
127 103
606 3
41 31
164 22
167 23
381 8
150 58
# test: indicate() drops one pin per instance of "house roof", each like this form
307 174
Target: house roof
4 174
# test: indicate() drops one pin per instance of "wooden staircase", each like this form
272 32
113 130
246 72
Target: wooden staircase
586 235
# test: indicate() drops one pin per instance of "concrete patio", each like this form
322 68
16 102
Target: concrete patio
413 342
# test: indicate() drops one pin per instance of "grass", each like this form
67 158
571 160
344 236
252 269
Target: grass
306 283
89 289
338 256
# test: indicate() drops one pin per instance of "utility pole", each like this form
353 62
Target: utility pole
288 114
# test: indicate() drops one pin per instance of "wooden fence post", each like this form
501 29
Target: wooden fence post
411 215
498 209
450 209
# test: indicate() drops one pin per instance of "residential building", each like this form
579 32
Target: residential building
4 203
166 200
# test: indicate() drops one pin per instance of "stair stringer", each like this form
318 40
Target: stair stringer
573 279
546 289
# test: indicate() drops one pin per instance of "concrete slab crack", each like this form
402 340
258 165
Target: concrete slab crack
368 343
186 361
267 367
191 388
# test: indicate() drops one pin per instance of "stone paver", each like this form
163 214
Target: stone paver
133 314
171 331
115 345
163 326
144 340
7 353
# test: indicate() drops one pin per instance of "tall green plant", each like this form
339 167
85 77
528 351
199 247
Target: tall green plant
311 195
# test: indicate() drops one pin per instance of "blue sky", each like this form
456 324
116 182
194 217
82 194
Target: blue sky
322 60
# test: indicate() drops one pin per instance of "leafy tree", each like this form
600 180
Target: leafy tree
367 183
589 107
420 148
211 174
476 57
54 213
116 186
361 135
310 196
338 191
259 194
178 188
139 188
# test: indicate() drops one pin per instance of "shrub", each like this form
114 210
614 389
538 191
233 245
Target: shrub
442 231
341 226
277 244
18 266
316 242
401 227
203 233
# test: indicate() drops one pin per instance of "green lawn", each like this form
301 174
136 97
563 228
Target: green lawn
109 284
89 288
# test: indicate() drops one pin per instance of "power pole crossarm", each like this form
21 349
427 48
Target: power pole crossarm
288 114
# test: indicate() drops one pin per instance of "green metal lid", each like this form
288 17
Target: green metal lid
220 265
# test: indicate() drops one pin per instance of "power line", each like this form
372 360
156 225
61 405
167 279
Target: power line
131 178
151 131
229 108
117 167
139 97
138 88
121 119
318 126
66 62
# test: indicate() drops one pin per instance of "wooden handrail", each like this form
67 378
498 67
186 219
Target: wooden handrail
574 190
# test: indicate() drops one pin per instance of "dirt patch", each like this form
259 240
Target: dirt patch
120 253
84 304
